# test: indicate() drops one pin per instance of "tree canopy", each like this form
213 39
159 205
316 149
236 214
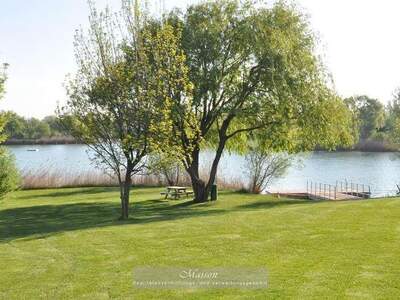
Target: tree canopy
255 73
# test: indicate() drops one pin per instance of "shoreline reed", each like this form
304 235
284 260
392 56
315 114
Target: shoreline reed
45 179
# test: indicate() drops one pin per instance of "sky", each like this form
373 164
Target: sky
359 40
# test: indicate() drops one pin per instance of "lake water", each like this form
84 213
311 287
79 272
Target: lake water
379 170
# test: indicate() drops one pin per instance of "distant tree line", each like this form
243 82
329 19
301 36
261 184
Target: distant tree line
21 128
376 126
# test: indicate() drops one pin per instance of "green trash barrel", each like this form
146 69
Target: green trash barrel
214 192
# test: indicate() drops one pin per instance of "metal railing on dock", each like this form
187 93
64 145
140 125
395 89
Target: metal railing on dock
355 189
342 190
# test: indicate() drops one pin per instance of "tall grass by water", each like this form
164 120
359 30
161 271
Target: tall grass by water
44 178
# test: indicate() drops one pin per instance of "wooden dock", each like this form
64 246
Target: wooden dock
338 197
342 191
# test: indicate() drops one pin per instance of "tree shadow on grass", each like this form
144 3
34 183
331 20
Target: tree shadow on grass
66 192
40 221
44 220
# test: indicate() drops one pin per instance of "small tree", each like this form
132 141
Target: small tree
9 175
392 125
3 116
263 167
168 167
119 101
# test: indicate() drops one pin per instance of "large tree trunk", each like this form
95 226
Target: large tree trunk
214 167
202 189
125 188
198 185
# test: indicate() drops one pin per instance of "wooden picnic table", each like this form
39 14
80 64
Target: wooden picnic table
176 192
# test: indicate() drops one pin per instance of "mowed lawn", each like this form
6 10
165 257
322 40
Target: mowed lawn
68 244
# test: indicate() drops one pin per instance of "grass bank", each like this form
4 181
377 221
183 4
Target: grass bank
67 244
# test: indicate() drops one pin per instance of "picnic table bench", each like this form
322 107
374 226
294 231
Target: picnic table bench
176 192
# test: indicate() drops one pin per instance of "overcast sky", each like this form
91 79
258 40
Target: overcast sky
360 40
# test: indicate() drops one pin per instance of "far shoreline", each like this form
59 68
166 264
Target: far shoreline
45 141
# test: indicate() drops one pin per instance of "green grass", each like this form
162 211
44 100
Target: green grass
67 244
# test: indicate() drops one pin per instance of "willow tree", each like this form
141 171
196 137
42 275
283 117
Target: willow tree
255 72
120 98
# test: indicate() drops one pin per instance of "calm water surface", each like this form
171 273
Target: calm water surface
380 170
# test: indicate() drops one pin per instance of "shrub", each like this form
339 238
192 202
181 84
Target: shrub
263 167
167 168
9 175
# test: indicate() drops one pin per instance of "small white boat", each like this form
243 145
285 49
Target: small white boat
33 150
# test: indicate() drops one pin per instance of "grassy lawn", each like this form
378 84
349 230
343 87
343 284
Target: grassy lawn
67 244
